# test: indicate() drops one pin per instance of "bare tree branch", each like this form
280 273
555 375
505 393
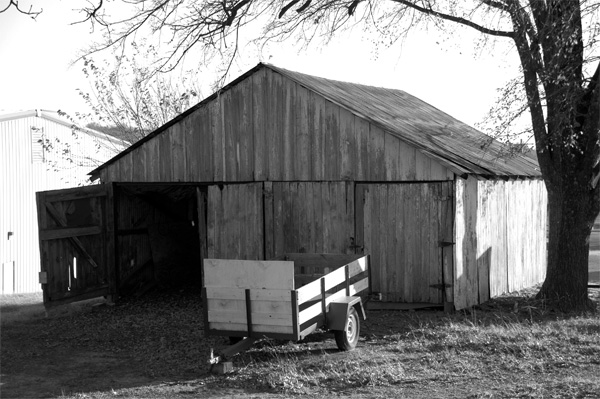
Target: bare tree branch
453 18
15 4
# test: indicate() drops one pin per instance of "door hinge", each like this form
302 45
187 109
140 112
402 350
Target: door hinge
43 277
445 243
441 286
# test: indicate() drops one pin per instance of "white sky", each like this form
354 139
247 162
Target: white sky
35 69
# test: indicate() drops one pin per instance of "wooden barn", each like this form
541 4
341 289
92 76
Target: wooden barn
282 162
39 150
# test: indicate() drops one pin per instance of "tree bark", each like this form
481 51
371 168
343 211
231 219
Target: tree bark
571 214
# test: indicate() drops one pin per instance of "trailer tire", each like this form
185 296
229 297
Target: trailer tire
347 339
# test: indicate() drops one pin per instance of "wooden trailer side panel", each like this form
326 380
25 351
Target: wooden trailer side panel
243 297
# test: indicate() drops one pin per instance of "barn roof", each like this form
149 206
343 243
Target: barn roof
456 145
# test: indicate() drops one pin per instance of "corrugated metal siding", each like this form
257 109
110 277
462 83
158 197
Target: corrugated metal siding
500 238
21 177
271 128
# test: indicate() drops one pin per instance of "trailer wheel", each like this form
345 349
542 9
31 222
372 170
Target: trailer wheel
347 339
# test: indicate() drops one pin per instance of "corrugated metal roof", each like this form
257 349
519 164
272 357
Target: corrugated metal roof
436 134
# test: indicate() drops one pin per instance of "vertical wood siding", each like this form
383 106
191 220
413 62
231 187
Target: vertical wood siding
310 217
26 168
267 127
235 221
500 238
403 226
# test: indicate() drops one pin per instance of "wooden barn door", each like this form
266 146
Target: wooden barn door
309 217
234 217
76 242
404 228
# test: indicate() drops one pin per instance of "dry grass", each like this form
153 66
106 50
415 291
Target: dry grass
512 347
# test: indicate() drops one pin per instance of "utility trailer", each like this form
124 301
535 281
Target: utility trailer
287 298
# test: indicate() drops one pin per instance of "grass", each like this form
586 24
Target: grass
511 347
21 307
483 354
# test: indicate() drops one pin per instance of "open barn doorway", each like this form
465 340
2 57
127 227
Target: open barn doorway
158 229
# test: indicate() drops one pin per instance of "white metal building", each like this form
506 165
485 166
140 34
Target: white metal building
39 150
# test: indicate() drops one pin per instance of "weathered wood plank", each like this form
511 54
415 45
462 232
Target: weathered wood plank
424 264
213 216
257 328
485 221
391 153
230 114
316 111
435 250
447 236
348 146
361 131
260 115
245 133
53 234
269 216
152 150
249 274
232 317
376 154
465 272
178 155
165 172
278 218
275 126
318 216
239 294
215 109
289 129
302 138
389 242
331 130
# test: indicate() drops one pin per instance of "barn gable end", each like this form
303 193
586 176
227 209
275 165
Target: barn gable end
268 127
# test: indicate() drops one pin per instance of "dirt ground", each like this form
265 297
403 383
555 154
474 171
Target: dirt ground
90 347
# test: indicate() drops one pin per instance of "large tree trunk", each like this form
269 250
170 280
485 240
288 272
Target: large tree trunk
571 210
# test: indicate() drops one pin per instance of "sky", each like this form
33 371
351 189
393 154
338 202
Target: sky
36 68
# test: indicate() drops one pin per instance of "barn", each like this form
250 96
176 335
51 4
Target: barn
283 162
39 150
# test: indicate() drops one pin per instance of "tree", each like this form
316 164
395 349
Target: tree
14 4
556 41
128 100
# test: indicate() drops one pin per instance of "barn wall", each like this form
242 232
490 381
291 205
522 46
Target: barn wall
26 167
310 217
500 238
269 128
